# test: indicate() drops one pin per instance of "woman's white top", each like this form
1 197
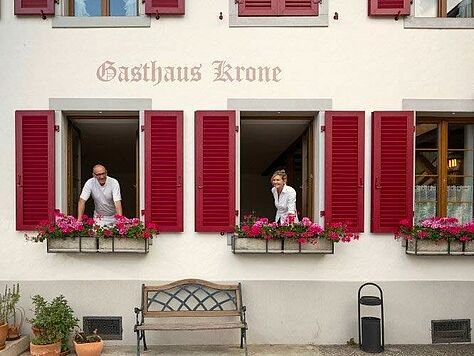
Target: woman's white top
285 203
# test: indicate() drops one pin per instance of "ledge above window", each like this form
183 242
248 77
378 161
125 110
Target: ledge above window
438 22
321 20
100 21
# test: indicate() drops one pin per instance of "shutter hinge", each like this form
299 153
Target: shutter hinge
236 213
414 129
143 128
143 212
323 128
56 128
322 213
236 129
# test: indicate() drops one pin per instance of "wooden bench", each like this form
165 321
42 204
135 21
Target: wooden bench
221 304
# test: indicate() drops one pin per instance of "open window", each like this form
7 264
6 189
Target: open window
270 143
108 140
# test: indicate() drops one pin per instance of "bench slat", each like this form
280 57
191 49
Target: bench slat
193 326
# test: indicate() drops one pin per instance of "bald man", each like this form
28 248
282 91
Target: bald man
106 194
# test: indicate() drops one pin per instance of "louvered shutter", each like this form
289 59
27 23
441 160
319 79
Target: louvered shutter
215 171
258 7
298 8
344 169
164 169
35 186
34 7
166 7
389 7
392 169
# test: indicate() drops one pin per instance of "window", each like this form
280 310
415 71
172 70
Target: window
103 8
444 168
278 8
444 8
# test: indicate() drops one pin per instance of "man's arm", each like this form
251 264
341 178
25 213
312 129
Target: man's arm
81 206
118 207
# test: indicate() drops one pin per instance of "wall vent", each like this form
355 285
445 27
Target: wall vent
453 330
108 327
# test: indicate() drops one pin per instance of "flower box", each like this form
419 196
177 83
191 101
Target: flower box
94 245
108 245
79 244
439 247
287 246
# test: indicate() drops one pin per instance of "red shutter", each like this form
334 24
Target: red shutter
167 7
164 169
298 8
34 7
344 168
392 169
35 188
215 171
258 7
389 7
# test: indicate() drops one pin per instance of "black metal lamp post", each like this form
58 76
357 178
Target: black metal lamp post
371 329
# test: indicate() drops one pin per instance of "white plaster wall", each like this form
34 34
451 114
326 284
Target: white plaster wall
361 63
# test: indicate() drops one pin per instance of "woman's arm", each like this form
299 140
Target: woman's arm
291 202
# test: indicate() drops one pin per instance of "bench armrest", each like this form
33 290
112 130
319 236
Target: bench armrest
138 320
242 314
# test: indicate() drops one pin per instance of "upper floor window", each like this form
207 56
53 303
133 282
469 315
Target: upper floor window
278 8
444 8
103 8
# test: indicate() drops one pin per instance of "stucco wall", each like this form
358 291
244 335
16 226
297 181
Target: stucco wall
361 63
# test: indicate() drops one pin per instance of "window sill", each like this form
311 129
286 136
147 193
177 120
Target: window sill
439 23
94 245
262 246
100 21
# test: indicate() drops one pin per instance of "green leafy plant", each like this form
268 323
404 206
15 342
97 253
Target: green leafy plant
8 301
55 321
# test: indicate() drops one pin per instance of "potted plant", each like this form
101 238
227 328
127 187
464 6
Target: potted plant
14 314
4 312
437 236
88 345
53 322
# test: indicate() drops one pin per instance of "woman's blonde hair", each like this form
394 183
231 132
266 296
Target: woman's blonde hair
281 173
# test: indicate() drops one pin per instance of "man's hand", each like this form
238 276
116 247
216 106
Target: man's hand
81 206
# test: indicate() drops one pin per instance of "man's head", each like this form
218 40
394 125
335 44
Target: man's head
100 173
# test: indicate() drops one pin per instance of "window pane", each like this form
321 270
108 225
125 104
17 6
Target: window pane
425 201
87 8
459 8
123 7
460 199
426 8
426 162
427 136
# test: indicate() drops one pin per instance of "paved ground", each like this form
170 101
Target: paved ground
303 350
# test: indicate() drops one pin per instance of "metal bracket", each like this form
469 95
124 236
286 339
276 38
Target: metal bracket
56 128
221 17
398 16
43 15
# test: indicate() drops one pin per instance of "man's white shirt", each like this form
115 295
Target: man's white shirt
104 196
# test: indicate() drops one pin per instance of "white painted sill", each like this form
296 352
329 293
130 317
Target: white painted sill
438 23
100 21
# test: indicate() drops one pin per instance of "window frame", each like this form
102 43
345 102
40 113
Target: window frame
439 22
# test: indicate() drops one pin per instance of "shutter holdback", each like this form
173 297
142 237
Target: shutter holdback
397 16
43 15
221 17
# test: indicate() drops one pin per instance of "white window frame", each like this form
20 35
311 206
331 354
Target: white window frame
436 22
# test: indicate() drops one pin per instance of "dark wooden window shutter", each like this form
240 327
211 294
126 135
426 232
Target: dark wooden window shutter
164 7
344 168
392 169
35 172
215 171
258 7
164 169
389 7
34 7
298 7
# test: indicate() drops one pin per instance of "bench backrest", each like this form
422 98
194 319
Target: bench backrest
191 297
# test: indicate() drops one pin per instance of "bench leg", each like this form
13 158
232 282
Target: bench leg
145 348
138 343
243 340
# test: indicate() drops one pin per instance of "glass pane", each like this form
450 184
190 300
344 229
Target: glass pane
460 199
459 8
123 7
426 8
425 201
426 162
427 136
87 8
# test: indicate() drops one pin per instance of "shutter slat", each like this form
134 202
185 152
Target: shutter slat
215 171
344 169
164 7
389 7
258 8
164 170
35 181
392 169
298 8
34 7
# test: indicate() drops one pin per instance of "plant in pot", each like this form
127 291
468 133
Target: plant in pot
15 314
88 345
53 321
4 312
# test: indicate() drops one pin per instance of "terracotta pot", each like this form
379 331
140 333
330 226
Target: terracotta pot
89 348
14 332
3 335
45 350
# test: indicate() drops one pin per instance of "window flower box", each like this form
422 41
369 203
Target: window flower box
67 234
257 235
437 236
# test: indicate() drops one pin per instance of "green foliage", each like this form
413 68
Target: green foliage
55 319
8 301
